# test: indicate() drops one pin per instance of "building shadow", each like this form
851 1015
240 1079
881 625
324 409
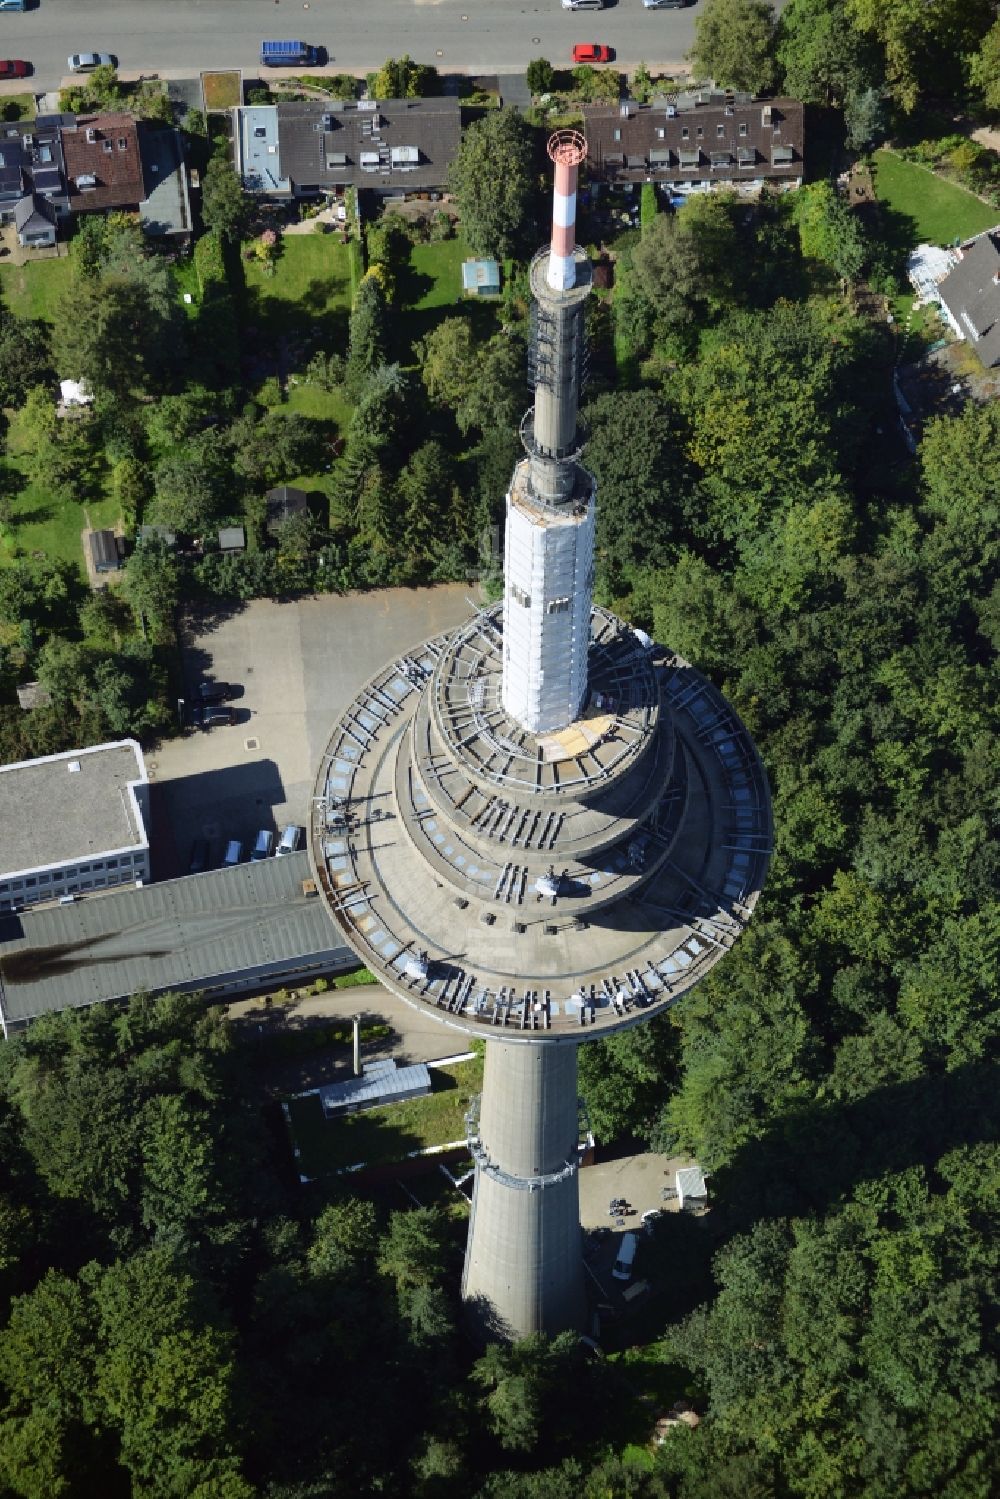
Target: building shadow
215 805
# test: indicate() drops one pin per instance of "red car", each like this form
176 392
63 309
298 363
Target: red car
592 52
14 69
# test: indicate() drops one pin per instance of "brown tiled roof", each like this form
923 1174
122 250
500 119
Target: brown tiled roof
94 149
723 139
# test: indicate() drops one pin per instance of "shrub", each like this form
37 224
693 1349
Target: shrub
209 261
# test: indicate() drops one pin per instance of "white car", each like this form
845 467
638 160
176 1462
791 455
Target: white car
86 62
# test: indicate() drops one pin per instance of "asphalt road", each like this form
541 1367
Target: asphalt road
179 37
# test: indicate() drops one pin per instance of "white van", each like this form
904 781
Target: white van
291 839
626 1256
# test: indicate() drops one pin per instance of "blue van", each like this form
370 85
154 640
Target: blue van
13 4
287 55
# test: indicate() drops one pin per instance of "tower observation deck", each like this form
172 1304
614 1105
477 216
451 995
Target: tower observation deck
540 829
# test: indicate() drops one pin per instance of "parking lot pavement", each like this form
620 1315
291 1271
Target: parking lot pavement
295 666
640 1179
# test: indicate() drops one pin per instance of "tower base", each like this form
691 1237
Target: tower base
524 1259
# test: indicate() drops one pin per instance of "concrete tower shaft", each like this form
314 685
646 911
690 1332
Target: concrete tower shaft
550 506
523 1265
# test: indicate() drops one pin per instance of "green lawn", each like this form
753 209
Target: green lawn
380 1136
40 524
937 211
310 291
33 290
430 289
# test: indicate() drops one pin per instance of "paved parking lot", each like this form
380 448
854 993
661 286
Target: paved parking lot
296 665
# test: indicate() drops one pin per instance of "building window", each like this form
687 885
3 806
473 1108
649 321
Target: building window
84 869
557 606
743 128
699 132
685 133
720 131
617 134
30 881
43 879
520 597
660 133
112 863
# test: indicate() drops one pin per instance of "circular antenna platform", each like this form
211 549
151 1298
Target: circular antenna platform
567 148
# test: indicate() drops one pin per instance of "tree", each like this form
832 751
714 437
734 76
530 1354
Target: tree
482 384
984 69
152 584
823 56
519 1381
368 334
866 118
540 76
25 356
494 181
412 1251
191 487
829 231
685 267
733 44
223 205
641 481
924 44
402 78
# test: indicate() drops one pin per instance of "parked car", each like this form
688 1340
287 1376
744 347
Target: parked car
215 692
199 856
86 62
664 4
234 853
217 716
291 839
14 69
13 4
592 52
264 846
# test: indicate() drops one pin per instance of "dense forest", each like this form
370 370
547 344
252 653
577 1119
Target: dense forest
179 1317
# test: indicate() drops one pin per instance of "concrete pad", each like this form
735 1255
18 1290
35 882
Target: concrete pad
296 666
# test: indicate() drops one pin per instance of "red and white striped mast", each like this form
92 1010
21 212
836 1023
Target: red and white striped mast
567 150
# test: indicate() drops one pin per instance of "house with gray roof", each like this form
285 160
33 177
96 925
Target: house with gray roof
700 140
970 296
33 185
35 221
390 147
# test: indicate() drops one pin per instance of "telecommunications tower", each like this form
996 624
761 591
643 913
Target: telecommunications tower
540 828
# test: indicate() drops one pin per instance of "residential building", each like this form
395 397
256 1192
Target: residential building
698 141
60 165
104 551
222 933
33 188
73 823
284 502
969 296
323 146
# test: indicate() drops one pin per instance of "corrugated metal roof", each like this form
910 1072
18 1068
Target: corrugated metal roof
379 1084
181 932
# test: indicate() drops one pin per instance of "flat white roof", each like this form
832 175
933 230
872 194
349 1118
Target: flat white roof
62 808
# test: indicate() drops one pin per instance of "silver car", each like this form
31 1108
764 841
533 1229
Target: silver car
86 62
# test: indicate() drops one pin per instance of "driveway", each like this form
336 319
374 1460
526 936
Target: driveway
295 666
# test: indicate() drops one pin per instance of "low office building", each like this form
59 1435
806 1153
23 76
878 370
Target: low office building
323 146
73 823
223 933
699 141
